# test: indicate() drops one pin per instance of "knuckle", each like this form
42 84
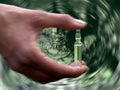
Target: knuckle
14 15
65 16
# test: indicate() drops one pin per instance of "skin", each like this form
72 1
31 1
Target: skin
19 31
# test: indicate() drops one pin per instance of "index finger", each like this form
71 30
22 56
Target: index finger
64 21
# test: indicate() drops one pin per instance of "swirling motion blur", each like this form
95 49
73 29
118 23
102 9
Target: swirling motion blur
101 40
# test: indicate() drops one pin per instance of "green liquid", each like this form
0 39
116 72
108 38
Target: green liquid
78 52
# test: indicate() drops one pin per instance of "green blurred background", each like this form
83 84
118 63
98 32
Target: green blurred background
101 51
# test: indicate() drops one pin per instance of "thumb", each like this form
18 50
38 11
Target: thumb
64 21
54 69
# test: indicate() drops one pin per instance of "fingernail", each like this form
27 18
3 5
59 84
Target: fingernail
80 21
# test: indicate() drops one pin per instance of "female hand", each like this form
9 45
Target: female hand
19 31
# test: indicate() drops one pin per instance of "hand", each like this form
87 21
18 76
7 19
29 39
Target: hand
19 32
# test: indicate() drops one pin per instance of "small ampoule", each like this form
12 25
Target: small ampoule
78 46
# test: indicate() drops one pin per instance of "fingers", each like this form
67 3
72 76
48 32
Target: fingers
45 19
78 63
52 68
81 65
43 69
27 68
63 21
58 20
36 75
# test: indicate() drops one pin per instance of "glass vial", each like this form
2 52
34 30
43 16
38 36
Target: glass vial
78 46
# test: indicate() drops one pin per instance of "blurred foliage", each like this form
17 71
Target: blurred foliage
22 3
101 40
96 13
